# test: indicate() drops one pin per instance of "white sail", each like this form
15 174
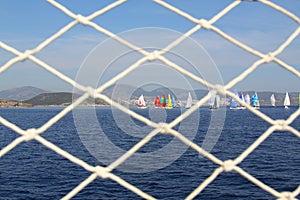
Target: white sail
247 99
217 101
211 100
189 101
272 99
141 102
287 101
214 101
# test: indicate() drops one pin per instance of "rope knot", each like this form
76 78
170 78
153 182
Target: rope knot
153 55
81 19
220 89
163 127
25 55
91 91
228 165
101 172
286 196
204 23
30 134
269 57
281 124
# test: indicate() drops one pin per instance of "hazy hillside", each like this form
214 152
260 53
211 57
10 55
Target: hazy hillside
21 94
126 91
129 93
58 98
126 94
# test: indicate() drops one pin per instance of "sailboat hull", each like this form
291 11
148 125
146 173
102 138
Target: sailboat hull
286 107
237 108
142 107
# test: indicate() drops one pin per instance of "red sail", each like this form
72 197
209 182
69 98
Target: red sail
156 102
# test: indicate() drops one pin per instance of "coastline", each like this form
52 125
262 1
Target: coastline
14 104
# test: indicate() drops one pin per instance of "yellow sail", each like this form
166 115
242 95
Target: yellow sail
169 104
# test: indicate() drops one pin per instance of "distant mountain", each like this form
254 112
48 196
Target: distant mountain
125 94
178 93
128 93
21 94
57 98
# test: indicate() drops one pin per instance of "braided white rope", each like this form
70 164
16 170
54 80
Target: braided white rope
166 128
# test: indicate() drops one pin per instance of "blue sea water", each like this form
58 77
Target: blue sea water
32 171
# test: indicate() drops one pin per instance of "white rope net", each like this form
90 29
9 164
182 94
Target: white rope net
158 128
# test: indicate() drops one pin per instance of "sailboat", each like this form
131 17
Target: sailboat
214 102
189 101
141 102
247 99
162 101
241 96
169 104
211 99
233 103
287 101
272 99
173 102
255 101
156 102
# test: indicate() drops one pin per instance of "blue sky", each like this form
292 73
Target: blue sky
31 22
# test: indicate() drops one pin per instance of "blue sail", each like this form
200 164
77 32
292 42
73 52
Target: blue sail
234 103
173 102
254 100
241 97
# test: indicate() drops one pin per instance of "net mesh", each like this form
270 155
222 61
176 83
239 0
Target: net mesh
158 128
